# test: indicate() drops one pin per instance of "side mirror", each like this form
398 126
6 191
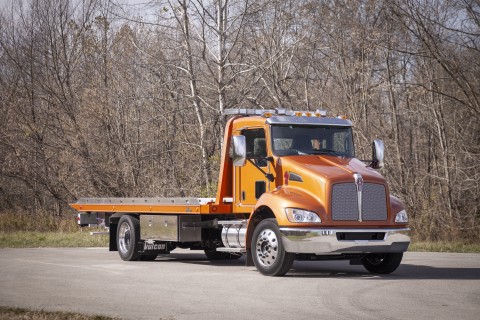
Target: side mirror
239 151
378 151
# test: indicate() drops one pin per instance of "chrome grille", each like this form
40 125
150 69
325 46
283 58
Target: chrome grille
345 205
344 202
374 204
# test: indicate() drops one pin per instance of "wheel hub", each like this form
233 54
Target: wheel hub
267 247
124 238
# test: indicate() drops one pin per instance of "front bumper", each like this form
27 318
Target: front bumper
330 241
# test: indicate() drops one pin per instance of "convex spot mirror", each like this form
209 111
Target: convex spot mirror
239 151
378 151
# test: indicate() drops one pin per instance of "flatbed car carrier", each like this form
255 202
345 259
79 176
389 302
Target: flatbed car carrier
289 188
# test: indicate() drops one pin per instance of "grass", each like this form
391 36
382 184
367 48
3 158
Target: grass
37 239
26 314
42 222
43 230
444 246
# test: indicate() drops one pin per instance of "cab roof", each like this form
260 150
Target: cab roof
289 117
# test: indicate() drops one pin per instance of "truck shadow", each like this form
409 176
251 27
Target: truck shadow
404 272
200 259
339 269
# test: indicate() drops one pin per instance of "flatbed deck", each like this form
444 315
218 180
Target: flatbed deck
154 205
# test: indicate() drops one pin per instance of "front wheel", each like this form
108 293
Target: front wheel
268 253
382 263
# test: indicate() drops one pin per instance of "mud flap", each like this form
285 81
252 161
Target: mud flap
151 247
249 260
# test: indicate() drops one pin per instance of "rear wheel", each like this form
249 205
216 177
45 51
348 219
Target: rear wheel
382 263
128 236
268 253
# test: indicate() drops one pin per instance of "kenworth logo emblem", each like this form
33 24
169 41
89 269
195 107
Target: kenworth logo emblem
358 181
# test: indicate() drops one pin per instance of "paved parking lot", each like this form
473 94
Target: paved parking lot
185 285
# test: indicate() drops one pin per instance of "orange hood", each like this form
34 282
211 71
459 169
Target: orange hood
329 168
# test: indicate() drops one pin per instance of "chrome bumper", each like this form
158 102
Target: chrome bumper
326 241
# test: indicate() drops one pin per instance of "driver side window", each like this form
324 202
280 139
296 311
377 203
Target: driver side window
256 145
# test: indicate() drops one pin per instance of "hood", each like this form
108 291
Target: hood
329 169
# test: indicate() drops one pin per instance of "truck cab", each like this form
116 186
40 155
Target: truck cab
290 188
298 171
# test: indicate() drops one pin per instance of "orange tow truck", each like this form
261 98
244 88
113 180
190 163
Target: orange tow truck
289 188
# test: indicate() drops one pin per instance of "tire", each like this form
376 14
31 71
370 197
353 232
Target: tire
268 253
382 263
128 236
214 255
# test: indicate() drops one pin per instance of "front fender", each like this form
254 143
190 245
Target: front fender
289 197
272 205
396 205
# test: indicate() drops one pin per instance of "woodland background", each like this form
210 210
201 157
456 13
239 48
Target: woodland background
110 98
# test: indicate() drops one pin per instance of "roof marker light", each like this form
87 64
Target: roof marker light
270 112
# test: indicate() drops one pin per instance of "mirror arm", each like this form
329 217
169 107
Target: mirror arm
373 164
370 162
269 176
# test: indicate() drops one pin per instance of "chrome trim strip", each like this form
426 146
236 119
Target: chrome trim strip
231 250
359 183
324 241
140 201
233 222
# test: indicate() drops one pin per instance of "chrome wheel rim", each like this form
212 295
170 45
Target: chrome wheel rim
267 248
124 239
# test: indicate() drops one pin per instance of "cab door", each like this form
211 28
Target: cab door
250 182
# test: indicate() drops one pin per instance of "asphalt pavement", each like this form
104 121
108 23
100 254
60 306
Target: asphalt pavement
185 285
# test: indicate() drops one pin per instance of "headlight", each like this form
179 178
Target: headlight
299 215
401 217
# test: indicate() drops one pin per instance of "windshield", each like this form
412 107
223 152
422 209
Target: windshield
299 140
